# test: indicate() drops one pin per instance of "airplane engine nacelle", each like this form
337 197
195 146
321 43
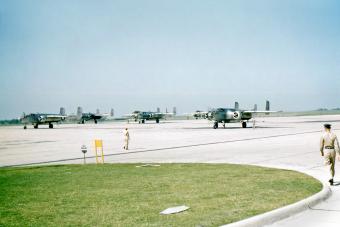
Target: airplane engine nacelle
233 115
246 116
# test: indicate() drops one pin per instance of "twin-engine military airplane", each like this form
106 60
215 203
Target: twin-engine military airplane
232 115
83 117
142 116
42 119
90 116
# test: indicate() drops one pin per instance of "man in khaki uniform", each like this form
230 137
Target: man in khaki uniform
329 145
126 139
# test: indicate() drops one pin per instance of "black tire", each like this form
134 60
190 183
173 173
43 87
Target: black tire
244 124
35 126
157 121
50 125
95 121
215 125
83 121
143 121
25 127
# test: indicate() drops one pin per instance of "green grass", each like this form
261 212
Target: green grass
123 195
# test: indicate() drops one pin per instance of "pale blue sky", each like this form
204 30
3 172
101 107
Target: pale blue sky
191 54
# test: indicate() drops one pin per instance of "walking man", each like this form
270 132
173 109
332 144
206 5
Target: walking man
126 139
329 145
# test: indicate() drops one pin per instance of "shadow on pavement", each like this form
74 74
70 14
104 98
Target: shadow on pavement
336 183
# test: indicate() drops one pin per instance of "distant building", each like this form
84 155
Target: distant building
112 112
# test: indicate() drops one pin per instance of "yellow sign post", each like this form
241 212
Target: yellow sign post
98 147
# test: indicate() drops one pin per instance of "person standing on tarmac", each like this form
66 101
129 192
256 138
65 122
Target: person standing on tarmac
329 145
126 139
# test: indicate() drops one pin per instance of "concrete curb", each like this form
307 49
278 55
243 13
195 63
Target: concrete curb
283 212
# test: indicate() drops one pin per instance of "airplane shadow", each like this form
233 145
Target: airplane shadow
318 121
336 183
230 128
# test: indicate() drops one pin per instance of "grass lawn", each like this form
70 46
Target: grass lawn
123 195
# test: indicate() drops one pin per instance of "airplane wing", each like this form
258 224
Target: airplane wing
51 118
259 111
193 113
167 114
55 116
98 116
129 115
197 114
205 112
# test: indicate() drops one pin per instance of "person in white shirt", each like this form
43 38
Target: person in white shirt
126 139
329 145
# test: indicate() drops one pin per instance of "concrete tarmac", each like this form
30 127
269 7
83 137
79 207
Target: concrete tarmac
281 142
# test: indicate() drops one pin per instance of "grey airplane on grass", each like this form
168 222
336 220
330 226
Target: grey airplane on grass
232 115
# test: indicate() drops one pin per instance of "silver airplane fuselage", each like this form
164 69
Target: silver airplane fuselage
226 115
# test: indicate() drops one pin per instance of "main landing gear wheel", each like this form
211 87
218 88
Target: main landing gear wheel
215 125
25 126
244 124
157 121
35 126
143 121
95 121
83 121
50 125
